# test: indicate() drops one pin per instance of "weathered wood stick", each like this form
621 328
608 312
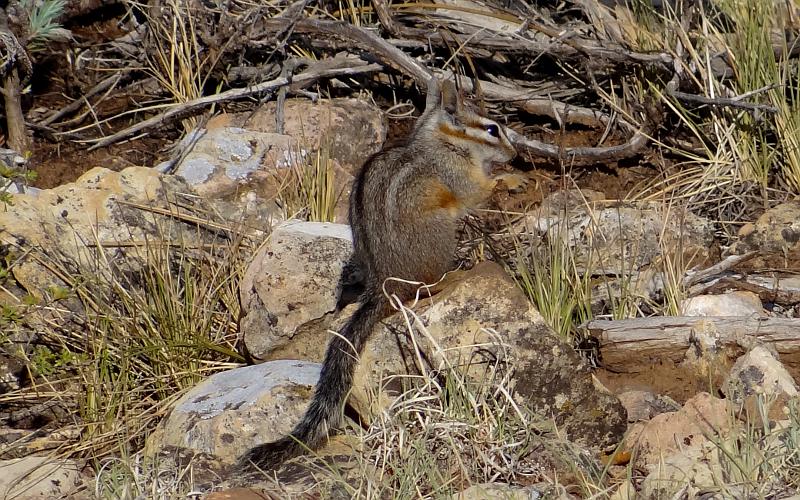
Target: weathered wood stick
632 345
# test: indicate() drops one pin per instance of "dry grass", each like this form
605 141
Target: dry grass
122 339
449 430
307 186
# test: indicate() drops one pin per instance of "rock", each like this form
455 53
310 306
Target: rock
644 405
492 491
236 154
237 494
482 320
351 129
292 281
223 158
38 477
624 491
675 432
759 374
690 471
620 238
738 303
234 410
79 214
775 236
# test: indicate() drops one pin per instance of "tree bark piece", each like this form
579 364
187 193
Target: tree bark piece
632 345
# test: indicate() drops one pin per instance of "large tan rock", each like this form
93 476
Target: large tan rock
290 282
479 322
74 220
245 155
351 129
701 417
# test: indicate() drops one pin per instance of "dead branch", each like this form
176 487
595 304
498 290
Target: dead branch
103 86
717 269
183 110
390 55
581 155
721 102
385 17
560 46
768 289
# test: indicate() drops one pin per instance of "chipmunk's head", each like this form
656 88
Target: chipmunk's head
450 122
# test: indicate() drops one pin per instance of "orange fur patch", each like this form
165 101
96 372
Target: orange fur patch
438 197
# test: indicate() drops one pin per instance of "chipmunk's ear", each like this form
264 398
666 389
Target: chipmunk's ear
450 100
442 95
434 94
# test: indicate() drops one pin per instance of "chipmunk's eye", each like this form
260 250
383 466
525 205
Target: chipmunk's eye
493 130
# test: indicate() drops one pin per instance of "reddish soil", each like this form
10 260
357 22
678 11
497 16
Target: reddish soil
57 164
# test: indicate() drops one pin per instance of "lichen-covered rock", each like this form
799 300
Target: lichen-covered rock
482 321
292 281
76 220
350 129
479 321
620 238
233 410
243 154
223 158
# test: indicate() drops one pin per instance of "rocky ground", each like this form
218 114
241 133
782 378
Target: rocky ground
625 322
656 404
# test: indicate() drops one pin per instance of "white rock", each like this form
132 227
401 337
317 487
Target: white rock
738 303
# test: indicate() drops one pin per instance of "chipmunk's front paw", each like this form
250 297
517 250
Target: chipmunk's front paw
512 182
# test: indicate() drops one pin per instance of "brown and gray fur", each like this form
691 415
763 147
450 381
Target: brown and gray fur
406 207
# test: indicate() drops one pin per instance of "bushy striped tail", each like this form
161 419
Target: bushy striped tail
324 415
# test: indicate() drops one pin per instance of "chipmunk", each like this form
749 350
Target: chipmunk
406 206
